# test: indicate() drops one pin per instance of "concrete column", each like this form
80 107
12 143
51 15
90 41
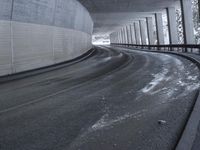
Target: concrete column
122 35
188 25
126 35
172 25
122 39
199 9
129 34
143 32
137 33
127 38
133 34
119 36
111 38
159 27
150 30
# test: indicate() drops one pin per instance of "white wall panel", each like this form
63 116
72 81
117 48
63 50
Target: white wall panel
36 45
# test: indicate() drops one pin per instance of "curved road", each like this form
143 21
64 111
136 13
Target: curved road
114 100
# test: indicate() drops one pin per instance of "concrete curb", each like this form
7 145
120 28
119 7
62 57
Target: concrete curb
189 134
191 128
28 73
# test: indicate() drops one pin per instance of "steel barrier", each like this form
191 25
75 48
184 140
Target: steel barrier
176 47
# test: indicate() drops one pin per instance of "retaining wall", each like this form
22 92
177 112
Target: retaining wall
38 33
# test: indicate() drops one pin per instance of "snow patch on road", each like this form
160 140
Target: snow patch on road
157 79
193 78
107 59
105 121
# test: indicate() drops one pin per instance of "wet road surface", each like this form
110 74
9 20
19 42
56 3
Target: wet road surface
112 100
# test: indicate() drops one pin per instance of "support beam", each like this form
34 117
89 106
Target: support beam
111 38
159 28
150 30
127 35
123 37
133 34
143 32
172 25
137 33
124 31
118 37
188 25
130 34
199 9
122 34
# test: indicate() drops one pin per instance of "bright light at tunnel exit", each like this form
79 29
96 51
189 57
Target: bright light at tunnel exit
101 40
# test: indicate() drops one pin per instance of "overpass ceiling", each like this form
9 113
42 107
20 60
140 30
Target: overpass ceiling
108 15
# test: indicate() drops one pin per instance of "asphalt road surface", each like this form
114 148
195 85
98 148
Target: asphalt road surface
113 100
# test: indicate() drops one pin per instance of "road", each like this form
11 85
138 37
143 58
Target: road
116 99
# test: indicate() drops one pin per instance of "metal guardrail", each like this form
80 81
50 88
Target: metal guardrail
176 47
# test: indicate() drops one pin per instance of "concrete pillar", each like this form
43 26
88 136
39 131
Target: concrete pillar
172 25
159 27
133 34
125 37
188 25
117 37
137 33
150 30
122 38
122 35
143 32
111 38
199 9
114 38
128 34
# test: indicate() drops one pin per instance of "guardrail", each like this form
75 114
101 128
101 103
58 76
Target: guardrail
176 47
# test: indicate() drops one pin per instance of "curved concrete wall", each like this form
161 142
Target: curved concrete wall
37 33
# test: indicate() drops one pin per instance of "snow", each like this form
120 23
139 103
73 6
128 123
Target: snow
106 122
157 79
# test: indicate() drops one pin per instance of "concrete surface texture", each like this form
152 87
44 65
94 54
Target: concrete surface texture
110 15
116 99
36 33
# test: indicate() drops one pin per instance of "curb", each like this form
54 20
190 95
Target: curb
190 130
189 134
32 72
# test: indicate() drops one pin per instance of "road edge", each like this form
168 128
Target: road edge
32 72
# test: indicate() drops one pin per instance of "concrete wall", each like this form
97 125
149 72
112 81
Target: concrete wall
37 33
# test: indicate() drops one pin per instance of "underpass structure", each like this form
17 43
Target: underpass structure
59 92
